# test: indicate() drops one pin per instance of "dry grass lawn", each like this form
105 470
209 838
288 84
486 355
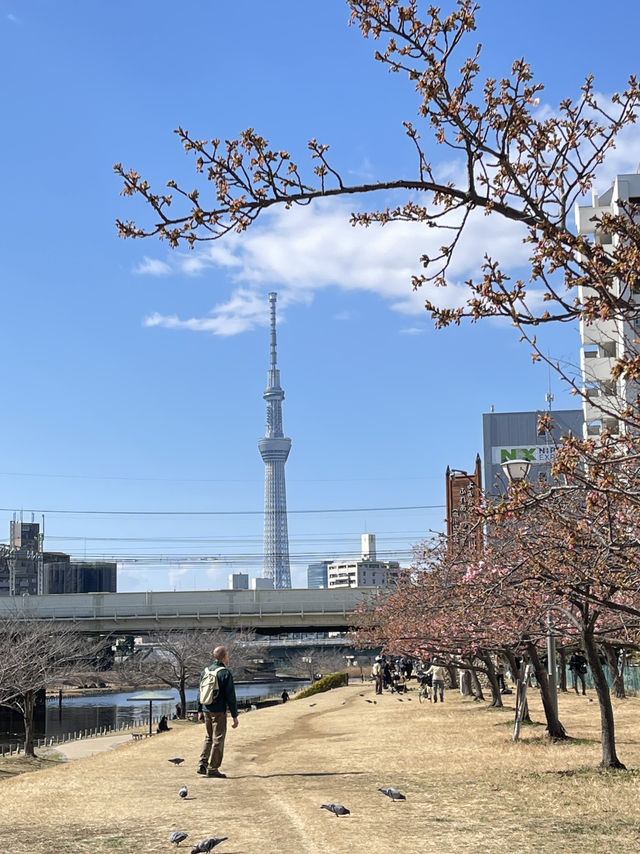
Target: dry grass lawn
468 787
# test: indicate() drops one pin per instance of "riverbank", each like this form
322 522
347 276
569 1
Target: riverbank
468 787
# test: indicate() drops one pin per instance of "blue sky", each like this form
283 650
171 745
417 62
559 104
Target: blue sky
133 375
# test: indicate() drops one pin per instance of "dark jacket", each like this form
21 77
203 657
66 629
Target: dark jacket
578 663
226 693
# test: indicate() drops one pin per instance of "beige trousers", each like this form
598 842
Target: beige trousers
213 748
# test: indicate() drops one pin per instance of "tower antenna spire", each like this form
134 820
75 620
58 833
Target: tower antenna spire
274 341
274 449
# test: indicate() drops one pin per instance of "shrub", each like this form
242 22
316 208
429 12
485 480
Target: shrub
333 680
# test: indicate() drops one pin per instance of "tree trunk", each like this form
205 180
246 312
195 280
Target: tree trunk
477 687
554 727
28 710
607 725
465 683
617 671
453 675
562 653
496 697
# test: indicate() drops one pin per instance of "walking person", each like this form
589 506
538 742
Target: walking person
436 671
578 668
217 694
377 671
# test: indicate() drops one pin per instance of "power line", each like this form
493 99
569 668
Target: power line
223 512
116 477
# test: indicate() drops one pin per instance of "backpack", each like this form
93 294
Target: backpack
209 685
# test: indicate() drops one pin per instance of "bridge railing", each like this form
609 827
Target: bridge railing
195 605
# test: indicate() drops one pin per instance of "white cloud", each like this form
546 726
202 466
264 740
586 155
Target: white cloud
305 250
412 330
243 311
152 267
302 251
13 18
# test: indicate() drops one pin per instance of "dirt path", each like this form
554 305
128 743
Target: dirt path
468 787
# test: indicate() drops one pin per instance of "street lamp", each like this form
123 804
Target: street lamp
517 471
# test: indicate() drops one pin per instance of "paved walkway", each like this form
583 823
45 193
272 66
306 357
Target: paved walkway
84 747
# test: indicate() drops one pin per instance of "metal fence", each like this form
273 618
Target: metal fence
15 748
631 679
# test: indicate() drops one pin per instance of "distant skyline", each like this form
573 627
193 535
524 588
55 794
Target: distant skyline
133 374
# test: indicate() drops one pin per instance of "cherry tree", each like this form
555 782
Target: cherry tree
516 162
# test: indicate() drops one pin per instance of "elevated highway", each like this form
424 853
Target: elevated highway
263 611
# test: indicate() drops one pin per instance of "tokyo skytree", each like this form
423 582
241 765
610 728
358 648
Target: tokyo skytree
274 449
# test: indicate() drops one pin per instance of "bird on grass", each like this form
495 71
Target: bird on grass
176 760
336 809
178 836
394 794
183 792
208 844
311 704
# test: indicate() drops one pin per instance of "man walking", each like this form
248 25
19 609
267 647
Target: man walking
578 668
217 694
377 671
436 671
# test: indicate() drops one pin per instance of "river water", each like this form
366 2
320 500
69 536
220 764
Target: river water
114 710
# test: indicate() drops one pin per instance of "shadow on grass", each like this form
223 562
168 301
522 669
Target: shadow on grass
299 774
589 772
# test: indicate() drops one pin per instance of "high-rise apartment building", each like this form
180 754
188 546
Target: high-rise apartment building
605 340
366 571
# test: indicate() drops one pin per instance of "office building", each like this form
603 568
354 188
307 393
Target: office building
239 581
262 583
26 569
317 574
514 436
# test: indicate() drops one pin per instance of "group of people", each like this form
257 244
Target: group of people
393 675
388 673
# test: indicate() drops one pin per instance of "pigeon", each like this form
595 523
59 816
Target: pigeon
311 704
370 701
208 844
394 794
183 792
336 809
178 836
399 699
176 760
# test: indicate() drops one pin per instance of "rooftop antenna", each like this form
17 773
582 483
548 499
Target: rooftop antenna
549 396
